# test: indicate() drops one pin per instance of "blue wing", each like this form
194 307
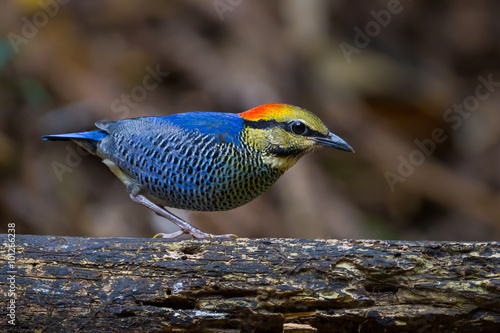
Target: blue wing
224 127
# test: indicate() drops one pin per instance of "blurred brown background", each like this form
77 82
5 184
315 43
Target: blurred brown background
380 74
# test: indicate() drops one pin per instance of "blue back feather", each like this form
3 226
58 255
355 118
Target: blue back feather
226 126
223 126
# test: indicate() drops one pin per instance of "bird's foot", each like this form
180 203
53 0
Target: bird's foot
171 235
194 233
186 228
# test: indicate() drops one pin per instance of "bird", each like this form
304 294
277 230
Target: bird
204 161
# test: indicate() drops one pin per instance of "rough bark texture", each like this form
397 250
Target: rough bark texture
67 284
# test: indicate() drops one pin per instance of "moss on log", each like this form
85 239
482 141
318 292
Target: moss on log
67 284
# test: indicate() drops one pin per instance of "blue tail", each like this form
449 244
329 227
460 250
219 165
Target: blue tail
88 140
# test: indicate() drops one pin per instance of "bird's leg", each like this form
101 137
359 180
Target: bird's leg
186 228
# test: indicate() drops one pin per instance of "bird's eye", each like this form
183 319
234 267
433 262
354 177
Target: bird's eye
298 128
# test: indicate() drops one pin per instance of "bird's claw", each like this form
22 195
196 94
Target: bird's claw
171 235
195 234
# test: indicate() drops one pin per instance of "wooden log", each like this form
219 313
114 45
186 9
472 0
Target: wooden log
68 284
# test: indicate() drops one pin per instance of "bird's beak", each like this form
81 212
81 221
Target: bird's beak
334 141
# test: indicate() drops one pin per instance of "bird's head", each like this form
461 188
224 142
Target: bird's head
284 133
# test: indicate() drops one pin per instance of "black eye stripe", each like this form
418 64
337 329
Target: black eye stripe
263 124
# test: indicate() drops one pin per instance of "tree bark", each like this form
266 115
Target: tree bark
68 284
